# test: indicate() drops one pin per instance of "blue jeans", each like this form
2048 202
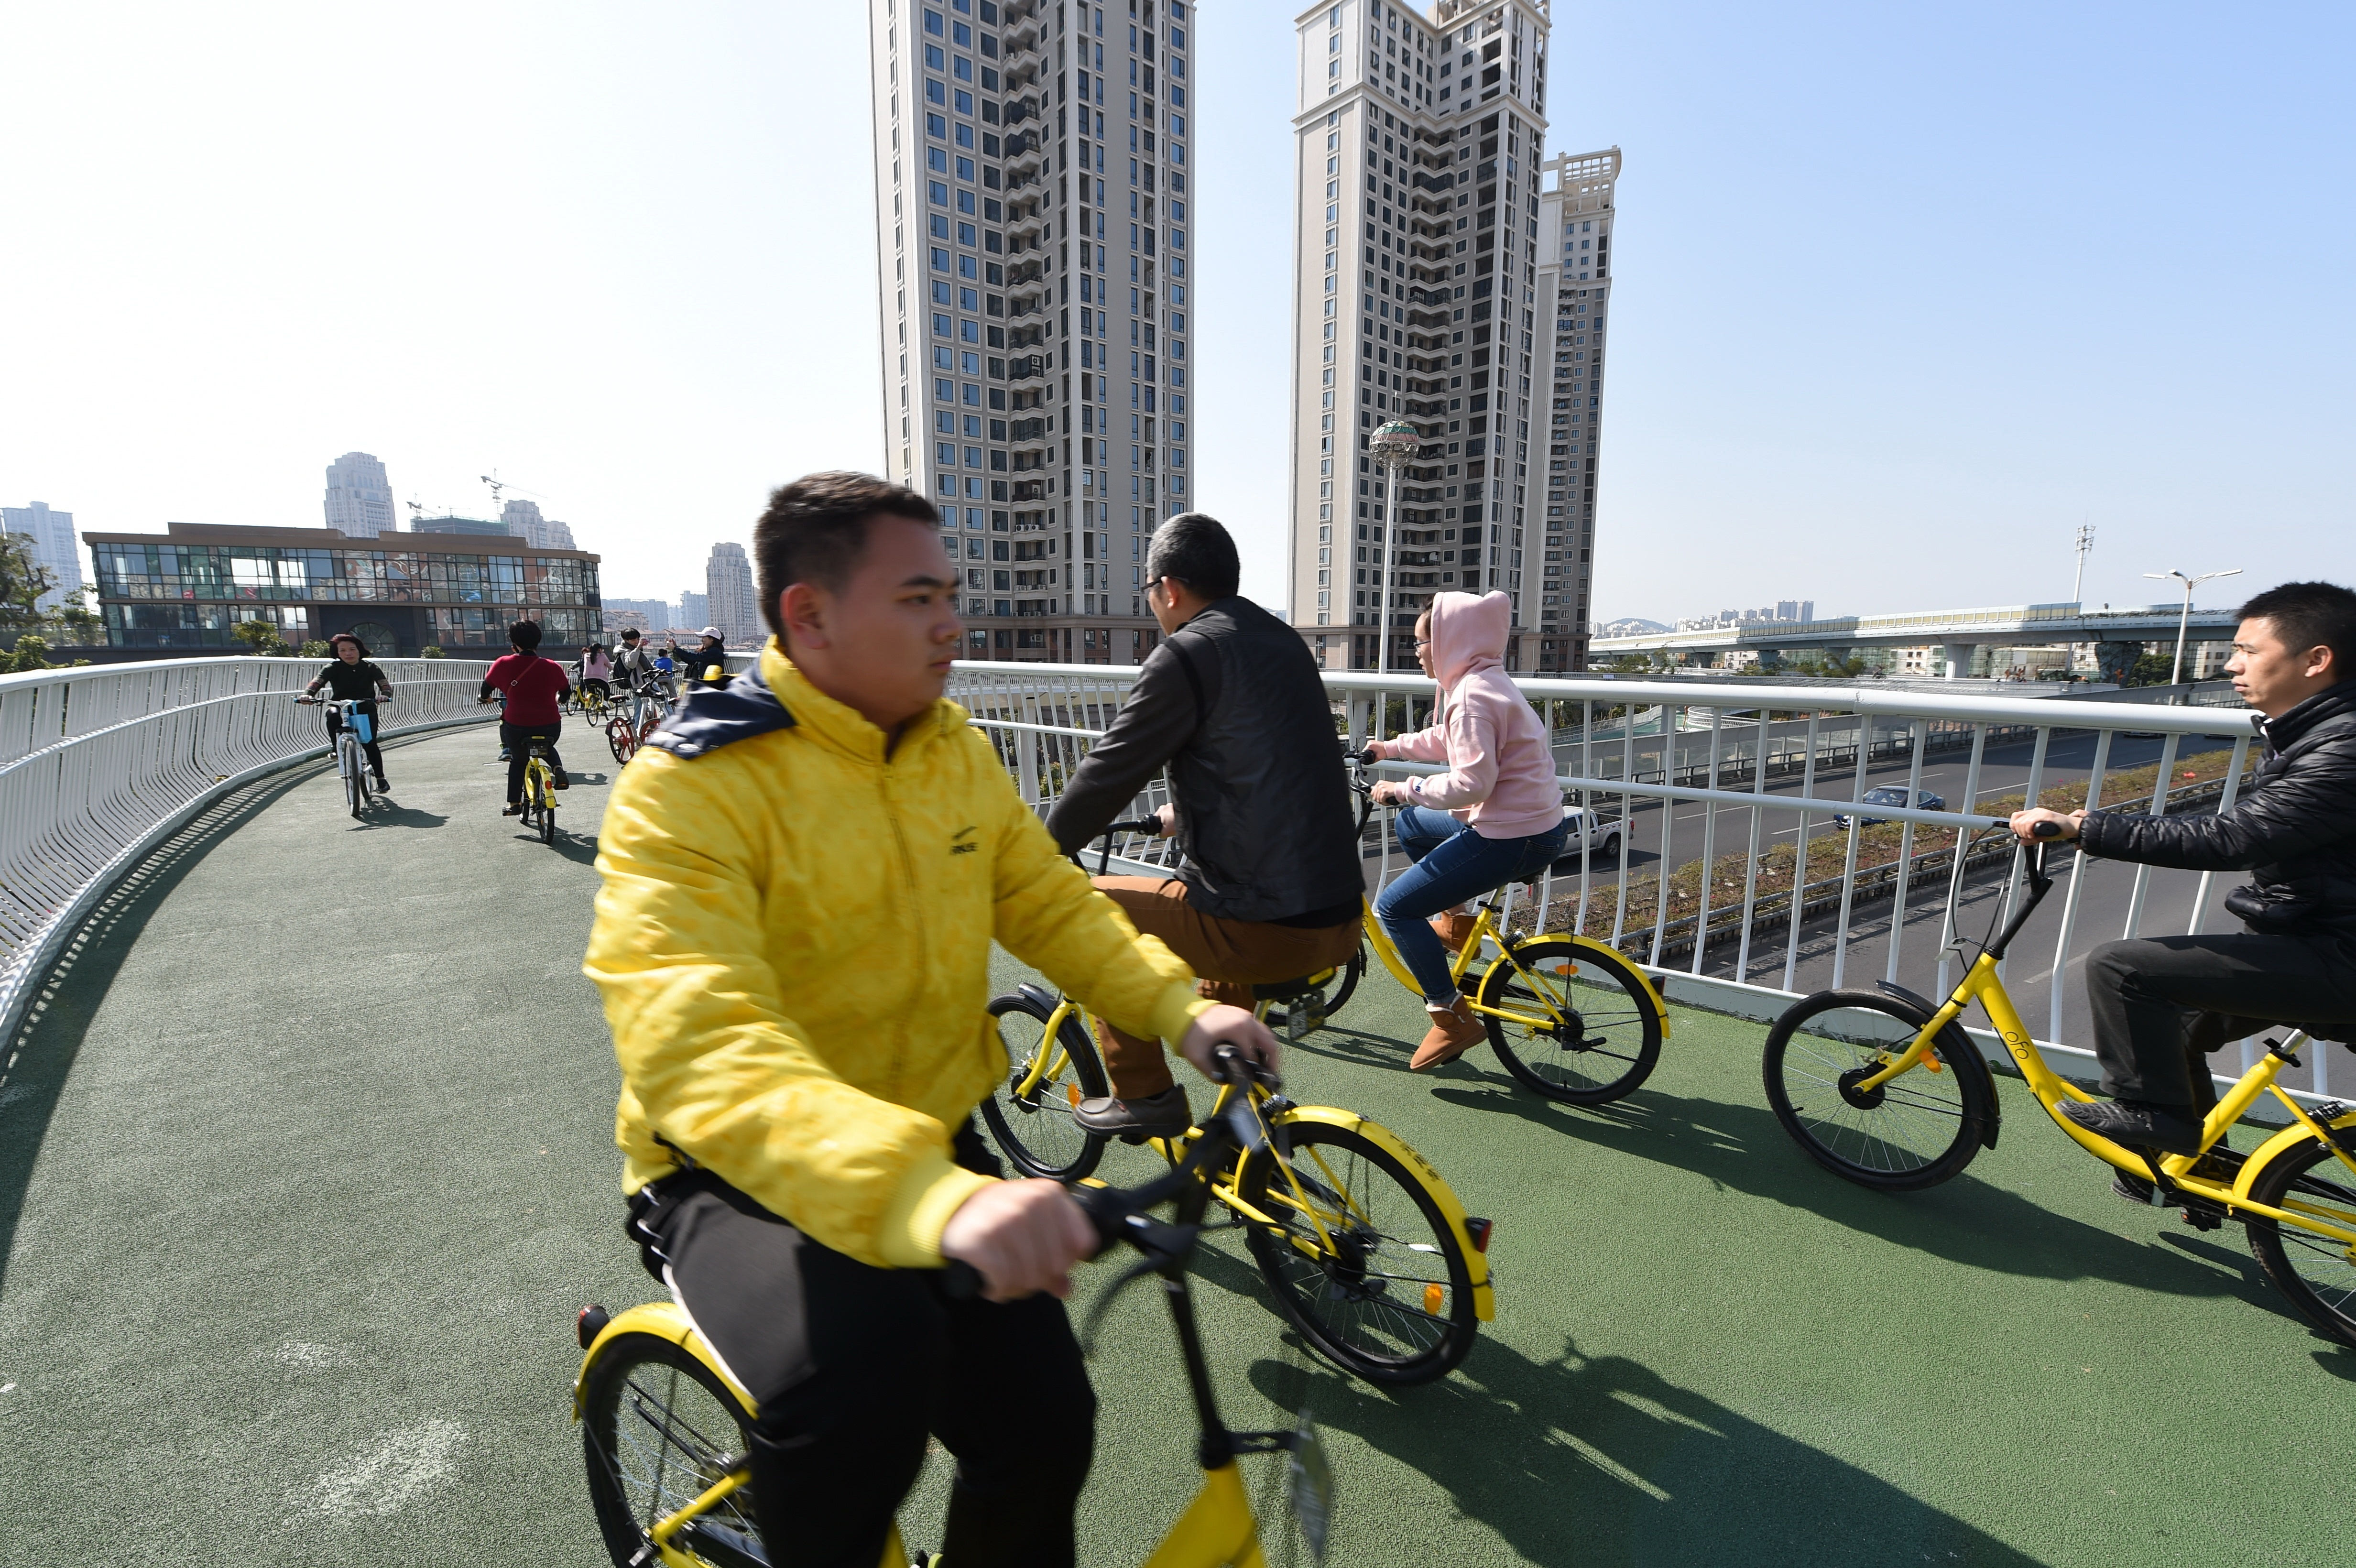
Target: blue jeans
1452 863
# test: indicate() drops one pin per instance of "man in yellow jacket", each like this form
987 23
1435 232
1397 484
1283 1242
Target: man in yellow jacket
802 876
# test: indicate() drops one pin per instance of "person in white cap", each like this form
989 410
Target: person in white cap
708 665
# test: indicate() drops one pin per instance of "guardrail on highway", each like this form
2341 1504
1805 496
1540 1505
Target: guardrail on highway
1043 718
98 765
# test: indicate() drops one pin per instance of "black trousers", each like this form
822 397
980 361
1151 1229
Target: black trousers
336 728
515 740
2161 1004
851 1367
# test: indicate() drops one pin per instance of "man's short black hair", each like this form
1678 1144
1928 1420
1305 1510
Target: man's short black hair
1194 549
815 529
525 634
2311 615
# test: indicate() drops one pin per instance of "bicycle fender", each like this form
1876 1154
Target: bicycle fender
665 1320
1956 1048
1652 992
1476 1262
2343 1131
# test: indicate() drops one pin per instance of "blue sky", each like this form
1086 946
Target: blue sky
1905 293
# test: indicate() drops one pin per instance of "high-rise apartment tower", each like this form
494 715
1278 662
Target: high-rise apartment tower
728 583
51 536
1575 219
1418 296
1033 181
359 497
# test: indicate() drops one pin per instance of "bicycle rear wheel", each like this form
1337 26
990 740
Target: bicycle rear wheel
658 1430
546 809
1363 1260
1570 1023
1913 1132
2317 1272
1035 1131
1345 983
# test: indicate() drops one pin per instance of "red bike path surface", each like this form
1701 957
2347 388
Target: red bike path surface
306 1163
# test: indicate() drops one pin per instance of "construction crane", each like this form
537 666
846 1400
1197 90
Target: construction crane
498 486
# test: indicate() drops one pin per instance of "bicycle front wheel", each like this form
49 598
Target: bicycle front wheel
1035 1129
348 759
658 1430
1913 1132
1360 1256
1570 1022
2316 1271
621 739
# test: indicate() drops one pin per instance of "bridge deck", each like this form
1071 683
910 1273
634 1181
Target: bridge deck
308 1162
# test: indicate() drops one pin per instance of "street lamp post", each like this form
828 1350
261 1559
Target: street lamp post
1392 447
2184 621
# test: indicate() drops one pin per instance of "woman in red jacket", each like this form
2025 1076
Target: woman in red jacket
534 687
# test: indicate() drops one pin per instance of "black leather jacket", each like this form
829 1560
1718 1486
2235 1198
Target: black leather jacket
1232 704
2294 827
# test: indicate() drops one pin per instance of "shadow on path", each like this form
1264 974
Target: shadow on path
1600 1461
1963 1220
38 1062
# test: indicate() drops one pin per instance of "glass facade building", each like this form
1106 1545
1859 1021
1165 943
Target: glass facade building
190 587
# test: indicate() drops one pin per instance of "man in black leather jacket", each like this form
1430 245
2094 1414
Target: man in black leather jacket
2161 1003
1273 885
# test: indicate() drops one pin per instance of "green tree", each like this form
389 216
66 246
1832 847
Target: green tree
315 649
261 637
2150 669
431 651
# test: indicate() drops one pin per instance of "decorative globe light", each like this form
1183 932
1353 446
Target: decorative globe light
1394 444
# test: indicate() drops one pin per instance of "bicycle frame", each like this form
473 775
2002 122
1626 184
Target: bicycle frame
1982 983
1227 1185
1486 929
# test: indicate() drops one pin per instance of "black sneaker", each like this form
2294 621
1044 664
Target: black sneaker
2137 1125
1163 1115
514 808
2134 1188
383 784
562 780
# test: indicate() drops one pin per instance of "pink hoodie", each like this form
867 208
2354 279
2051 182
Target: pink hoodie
1500 777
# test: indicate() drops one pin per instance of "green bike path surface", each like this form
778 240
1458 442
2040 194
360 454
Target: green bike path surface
307 1162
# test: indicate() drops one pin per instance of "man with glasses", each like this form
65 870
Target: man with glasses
1272 886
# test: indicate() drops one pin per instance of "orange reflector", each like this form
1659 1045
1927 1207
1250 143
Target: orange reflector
1566 968
1930 1061
1434 1297
1072 1092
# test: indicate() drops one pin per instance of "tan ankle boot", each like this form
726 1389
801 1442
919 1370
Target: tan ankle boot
1453 1034
1455 929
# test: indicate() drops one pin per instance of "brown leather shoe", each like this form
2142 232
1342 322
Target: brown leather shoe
1453 1034
1233 993
1455 929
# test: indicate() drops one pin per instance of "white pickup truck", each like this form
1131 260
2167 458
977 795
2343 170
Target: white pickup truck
1595 837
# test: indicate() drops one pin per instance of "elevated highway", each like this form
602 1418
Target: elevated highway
1956 632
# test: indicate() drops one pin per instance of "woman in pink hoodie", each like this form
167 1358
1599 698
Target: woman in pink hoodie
1495 816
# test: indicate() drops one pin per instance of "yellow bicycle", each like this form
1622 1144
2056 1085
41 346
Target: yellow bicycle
1570 1017
1884 1088
1365 1247
539 794
664 1430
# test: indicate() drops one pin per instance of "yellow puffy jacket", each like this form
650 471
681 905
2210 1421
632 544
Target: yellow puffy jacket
793 943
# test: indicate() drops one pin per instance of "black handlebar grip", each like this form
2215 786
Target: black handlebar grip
961 1281
2045 830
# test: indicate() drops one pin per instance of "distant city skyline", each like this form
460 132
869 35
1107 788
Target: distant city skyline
728 584
359 497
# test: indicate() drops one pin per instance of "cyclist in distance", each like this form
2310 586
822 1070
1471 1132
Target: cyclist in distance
353 677
2161 1004
1495 816
596 670
1272 887
708 665
534 688
800 1150
633 667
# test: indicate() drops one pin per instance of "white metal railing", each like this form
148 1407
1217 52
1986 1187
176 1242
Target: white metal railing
99 764
1713 884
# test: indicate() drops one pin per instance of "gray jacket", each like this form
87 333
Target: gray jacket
1231 703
